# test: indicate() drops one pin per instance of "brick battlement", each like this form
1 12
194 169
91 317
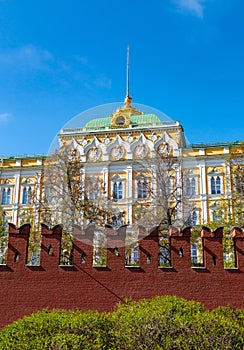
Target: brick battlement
26 288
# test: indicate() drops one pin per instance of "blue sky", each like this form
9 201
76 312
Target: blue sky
61 57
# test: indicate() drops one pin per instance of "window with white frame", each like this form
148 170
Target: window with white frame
27 187
194 253
191 186
215 181
117 184
142 187
118 190
6 196
193 218
216 212
93 188
215 185
26 195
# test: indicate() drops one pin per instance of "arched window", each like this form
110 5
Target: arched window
4 197
8 196
145 189
194 253
194 218
218 185
188 187
215 185
139 189
142 188
193 186
117 187
115 191
168 187
120 191
25 196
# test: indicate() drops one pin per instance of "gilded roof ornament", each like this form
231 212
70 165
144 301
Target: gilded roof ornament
121 118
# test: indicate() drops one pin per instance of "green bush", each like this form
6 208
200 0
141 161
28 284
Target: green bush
166 323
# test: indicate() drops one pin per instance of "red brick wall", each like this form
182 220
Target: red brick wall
26 289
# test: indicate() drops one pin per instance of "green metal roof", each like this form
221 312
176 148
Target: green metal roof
136 120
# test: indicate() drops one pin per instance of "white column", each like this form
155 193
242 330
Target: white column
16 198
38 197
228 179
129 193
203 190
105 181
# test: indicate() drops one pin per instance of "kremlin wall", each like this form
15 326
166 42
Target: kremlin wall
81 285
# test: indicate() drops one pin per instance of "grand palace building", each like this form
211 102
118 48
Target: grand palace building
116 148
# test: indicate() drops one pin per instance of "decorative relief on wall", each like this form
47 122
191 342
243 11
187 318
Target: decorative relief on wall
118 148
166 142
94 154
164 149
141 151
117 152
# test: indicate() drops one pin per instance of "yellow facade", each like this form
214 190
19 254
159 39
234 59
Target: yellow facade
116 150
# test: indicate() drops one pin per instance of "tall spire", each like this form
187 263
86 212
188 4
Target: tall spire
128 99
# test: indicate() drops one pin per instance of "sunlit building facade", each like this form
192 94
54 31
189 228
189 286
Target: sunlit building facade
111 148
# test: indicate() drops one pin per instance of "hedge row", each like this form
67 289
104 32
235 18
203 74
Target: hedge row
160 323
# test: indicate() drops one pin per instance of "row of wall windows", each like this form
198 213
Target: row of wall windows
142 189
6 195
191 186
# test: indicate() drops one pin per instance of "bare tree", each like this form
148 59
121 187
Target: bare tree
162 189
3 236
69 194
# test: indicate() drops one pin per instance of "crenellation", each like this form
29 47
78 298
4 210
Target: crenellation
18 242
212 248
85 286
238 237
